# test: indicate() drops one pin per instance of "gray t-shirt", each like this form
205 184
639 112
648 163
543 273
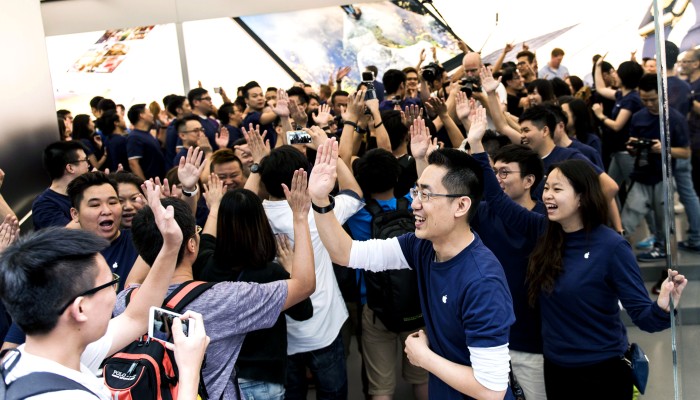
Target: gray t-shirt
230 310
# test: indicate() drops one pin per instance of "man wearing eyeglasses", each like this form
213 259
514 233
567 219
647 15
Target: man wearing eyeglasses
191 133
464 295
63 161
67 322
202 106
146 159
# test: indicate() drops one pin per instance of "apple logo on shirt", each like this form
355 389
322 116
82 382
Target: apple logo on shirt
115 265
587 254
444 299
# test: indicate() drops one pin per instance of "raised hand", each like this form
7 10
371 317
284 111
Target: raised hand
190 168
356 106
2 177
421 57
487 82
318 137
164 217
214 191
420 139
508 48
298 113
9 231
298 196
342 73
285 251
413 112
437 106
463 105
258 146
324 115
323 175
478 125
222 138
281 109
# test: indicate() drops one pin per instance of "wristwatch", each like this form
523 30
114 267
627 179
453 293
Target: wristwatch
255 168
190 194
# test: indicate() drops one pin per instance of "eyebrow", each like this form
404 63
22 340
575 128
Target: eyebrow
423 186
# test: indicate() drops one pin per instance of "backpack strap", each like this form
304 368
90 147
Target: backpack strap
402 203
373 207
184 294
35 383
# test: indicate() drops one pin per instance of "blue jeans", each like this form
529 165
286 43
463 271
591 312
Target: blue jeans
328 368
260 390
682 174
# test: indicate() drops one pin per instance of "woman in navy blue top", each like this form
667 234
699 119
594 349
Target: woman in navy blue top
577 272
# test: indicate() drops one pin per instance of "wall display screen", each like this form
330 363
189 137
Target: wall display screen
110 50
311 44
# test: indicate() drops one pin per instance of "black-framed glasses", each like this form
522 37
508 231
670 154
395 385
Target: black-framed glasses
195 130
114 283
424 196
78 161
503 173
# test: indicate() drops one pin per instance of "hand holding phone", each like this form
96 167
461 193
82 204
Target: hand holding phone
160 324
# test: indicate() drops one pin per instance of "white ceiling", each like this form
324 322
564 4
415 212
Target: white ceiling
74 16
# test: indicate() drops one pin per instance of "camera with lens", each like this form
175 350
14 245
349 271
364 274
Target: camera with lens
642 147
470 84
431 72
368 81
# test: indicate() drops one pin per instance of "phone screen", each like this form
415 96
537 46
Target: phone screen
298 137
161 324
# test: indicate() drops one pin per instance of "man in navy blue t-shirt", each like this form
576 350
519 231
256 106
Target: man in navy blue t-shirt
146 159
201 104
464 295
64 161
258 113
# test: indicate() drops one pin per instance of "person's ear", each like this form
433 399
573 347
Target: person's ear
463 206
74 214
192 245
529 180
76 310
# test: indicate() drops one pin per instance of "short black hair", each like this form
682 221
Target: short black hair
560 87
648 83
529 162
374 70
127 177
297 91
394 127
78 186
248 86
167 99
195 94
223 113
672 53
59 154
95 101
377 171
175 103
43 271
223 156
278 167
508 74
62 113
134 113
526 53
180 125
540 117
464 175
630 72
106 104
338 93
392 79
106 121
147 237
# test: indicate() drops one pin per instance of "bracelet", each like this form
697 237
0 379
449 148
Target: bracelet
378 125
190 194
354 125
328 208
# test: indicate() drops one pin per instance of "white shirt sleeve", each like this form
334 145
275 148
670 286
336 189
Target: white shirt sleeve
346 206
491 366
502 94
95 352
377 255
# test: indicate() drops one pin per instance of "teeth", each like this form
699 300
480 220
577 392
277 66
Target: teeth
419 219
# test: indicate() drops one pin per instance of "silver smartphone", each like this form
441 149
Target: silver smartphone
160 324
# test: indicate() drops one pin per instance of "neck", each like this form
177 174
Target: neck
387 195
142 126
401 150
572 226
694 76
183 272
61 345
546 148
563 140
61 185
626 91
526 201
200 113
452 245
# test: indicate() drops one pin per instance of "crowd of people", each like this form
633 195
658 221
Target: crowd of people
484 217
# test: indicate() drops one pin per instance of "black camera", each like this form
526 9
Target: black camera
470 84
641 147
431 72
368 81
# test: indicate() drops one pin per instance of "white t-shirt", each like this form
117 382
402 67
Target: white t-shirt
90 361
329 307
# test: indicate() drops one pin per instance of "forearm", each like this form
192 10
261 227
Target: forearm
346 146
5 209
600 85
499 62
335 239
459 377
381 134
188 383
267 117
424 91
286 125
136 168
499 119
680 152
253 184
303 276
452 130
614 216
211 224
